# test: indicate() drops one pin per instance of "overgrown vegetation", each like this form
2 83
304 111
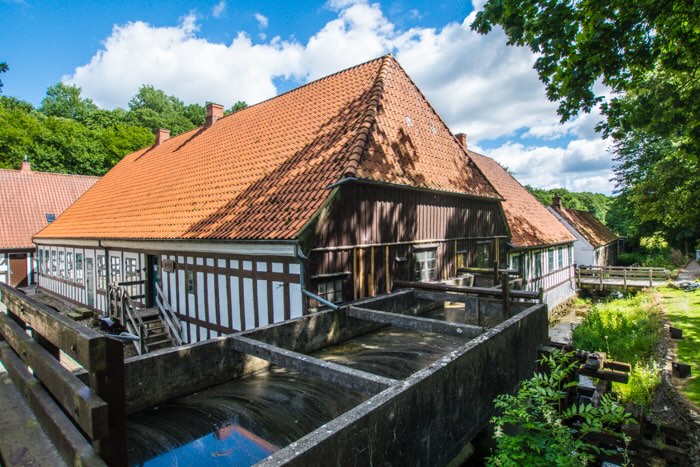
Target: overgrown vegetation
627 330
683 311
535 429
653 251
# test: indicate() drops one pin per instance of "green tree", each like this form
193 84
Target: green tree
3 69
240 105
151 108
65 100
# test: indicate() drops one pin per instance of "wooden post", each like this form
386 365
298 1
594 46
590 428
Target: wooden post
601 278
387 273
624 280
372 288
354 273
108 383
650 281
361 272
505 288
495 262
454 259
579 277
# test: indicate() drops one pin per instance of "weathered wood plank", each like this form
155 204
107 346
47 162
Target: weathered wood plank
416 323
344 376
80 402
83 344
69 442
465 290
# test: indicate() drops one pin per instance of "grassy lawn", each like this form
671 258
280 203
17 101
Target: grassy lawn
683 310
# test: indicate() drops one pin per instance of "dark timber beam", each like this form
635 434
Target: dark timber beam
416 323
81 402
465 290
69 442
344 376
81 343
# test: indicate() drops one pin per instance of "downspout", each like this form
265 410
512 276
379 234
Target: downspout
302 261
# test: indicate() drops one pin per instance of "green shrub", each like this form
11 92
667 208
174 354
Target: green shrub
641 388
627 329
534 430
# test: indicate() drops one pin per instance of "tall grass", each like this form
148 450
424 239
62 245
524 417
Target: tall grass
628 330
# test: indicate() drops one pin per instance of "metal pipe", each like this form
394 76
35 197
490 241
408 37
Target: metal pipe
321 300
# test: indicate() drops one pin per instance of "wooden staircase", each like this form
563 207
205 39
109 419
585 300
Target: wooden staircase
155 328
156 335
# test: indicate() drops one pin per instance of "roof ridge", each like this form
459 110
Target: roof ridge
38 172
359 144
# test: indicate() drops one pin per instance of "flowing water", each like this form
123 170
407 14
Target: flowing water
236 423
245 420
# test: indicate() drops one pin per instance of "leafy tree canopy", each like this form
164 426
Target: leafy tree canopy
3 68
240 105
597 203
646 51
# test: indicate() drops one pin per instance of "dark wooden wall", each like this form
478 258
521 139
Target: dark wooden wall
372 231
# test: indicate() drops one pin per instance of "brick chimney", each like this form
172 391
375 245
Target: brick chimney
162 134
462 138
214 112
26 166
556 202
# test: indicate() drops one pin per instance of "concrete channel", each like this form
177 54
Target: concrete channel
421 414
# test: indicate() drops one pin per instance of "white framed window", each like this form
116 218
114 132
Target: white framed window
101 272
69 265
424 261
538 264
515 262
115 269
560 256
61 264
189 276
331 290
483 255
79 268
550 260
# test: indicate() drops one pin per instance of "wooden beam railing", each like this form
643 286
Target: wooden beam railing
62 403
481 291
599 274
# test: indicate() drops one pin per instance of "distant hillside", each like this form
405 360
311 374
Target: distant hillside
597 203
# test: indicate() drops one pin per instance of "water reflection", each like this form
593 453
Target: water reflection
236 423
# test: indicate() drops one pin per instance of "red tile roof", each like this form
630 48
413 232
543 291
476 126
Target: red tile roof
590 228
531 224
27 196
263 172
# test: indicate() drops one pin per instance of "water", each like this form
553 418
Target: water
453 313
392 352
243 421
237 423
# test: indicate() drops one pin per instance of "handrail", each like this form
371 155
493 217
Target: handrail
169 317
321 300
125 312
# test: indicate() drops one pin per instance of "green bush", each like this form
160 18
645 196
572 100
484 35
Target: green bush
627 329
534 429
641 388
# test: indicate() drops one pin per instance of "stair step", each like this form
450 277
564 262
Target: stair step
164 341
157 335
148 313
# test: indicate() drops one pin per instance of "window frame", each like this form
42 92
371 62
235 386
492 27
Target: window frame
425 265
79 267
483 255
333 294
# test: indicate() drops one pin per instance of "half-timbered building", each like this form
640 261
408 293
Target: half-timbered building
336 189
29 200
541 248
596 244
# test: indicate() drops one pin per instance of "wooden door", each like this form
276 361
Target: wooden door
18 270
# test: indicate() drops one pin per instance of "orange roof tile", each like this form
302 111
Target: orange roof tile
590 228
531 224
263 172
26 197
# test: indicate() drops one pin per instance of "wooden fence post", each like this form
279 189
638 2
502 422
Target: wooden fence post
625 279
505 288
601 279
108 383
650 281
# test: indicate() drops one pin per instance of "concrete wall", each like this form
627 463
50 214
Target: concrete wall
426 419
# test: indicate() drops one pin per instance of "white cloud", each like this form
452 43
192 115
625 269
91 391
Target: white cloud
262 20
219 9
478 84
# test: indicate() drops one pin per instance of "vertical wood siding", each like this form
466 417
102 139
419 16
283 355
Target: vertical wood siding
386 226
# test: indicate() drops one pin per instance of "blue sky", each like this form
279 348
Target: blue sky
224 51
